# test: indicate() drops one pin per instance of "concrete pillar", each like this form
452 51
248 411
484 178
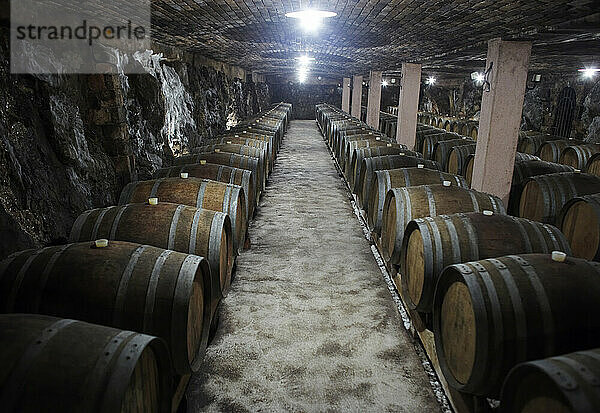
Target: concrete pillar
346 95
356 95
500 118
374 101
410 87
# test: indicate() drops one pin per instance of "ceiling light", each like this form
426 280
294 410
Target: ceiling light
431 80
305 60
310 19
393 80
589 73
384 83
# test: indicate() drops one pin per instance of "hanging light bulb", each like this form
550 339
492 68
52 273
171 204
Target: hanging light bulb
589 73
384 83
310 19
431 80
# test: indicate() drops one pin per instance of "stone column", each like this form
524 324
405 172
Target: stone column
356 95
501 108
410 87
374 102
346 95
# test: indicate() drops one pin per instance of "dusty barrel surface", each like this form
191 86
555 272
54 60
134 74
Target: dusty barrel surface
402 205
544 196
526 169
431 244
356 163
229 159
579 220
441 150
493 314
577 156
397 178
62 365
124 285
457 159
214 172
170 226
567 384
378 163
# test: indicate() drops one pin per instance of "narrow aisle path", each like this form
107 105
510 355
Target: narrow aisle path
309 324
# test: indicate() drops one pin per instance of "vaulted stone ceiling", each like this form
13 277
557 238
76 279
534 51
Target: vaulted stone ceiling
369 34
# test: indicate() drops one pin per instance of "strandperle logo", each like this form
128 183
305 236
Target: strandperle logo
82 32
78 36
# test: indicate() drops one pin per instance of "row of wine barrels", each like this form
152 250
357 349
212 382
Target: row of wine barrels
199 193
430 244
124 285
354 171
170 226
265 145
544 196
458 159
62 365
532 142
396 178
492 314
441 150
249 151
378 163
353 146
470 161
550 150
567 383
577 156
402 205
342 153
430 141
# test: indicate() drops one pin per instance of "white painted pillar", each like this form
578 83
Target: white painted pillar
346 95
410 87
500 120
356 95
374 101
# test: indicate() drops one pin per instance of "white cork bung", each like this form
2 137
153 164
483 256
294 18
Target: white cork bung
101 243
152 201
217 150
447 183
420 166
389 145
488 213
377 138
228 142
203 162
577 171
184 175
559 256
237 136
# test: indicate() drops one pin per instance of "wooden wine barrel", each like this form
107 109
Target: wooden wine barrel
522 157
344 143
431 244
593 165
430 141
578 155
397 178
124 285
228 159
490 315
378 163
262 144
421 135
355 168
264 137
524 170
532 142
562 384
550 150
249 151
402 205
58 365
352 146
457 158
442 150
170 226
544 196
199 193
579 220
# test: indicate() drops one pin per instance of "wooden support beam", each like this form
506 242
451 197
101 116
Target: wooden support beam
346 95
356 95
500 120
410 87
374 101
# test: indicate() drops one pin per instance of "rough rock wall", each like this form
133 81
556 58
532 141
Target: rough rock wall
69 143
463 100
304 97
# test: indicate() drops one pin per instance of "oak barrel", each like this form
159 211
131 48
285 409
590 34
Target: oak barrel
544 196
490 315
352 146
430 141
577 155
170 226
457 159
356 163
124 285
58 365
250 151
430 244
593 165
396 178
579 220
199 193
262 144
532 142
378 163
442 149
402 205
550 150
568 383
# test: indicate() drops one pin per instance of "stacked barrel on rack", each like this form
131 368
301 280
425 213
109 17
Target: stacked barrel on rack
152 269
495 291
